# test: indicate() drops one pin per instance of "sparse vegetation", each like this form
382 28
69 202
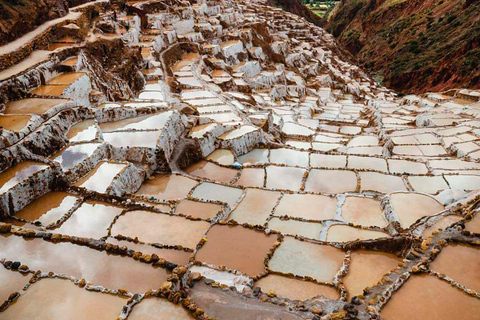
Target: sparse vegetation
413 44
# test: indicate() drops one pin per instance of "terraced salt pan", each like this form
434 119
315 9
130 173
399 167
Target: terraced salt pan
100 268
176 256
331 181
238 132
295 289
83 131
363 211
289 157
295 227
54 298
320 207
327 161
466 266
216 192
242 249
149 122
293 129
301 258
203 210
284 178
222 156
14 123
409 207
251 177
90 220
440 301
48 208
343 233
255 207
225 118
15 175
167 187
32 106
209 170
73 155
366 269
443 223
101 177
227 305
139 139
383 183
11 282
256 156
200 130
174 230
151 308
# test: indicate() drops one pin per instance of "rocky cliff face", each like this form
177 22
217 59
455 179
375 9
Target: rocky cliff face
416 46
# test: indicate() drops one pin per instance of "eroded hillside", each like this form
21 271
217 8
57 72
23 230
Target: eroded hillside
416 45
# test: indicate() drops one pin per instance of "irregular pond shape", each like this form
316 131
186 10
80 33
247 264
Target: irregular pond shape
217 192
363 211
251 177
439 301
73 155
225 305
255 207
100 268
148 122
167 187
18 173
90 220
139 139
443 223
256 156
343 233
242 249
14 123
284 178
295 289
101 177
222 156
428 184
176 256
289 157
367 268
83 131
410 207
168 230
12 281
48 208
32 105
156 308
295 227
461 263
51 299
209 170
319 207
203 210
331 181
302 258
383 183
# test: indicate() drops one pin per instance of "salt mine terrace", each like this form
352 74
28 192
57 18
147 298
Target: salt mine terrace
254 174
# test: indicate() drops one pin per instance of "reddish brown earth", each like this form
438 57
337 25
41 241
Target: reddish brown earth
18 17
415 45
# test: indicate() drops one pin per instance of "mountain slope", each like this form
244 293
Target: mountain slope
416 45
297 7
